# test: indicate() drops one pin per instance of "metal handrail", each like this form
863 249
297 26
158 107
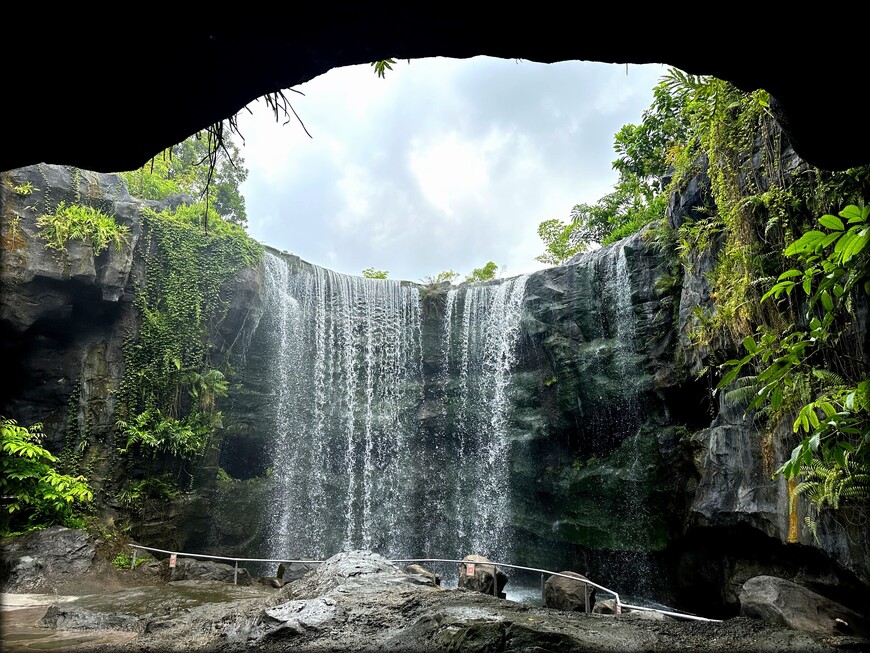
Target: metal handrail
484 563
136 547
542 571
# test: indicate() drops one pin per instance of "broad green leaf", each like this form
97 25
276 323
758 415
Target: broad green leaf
827 302
806 243
750 344
854 214
831 222
844 242
858 243
778 288
830 239
790 273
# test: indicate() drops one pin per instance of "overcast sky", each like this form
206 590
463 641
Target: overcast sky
444 164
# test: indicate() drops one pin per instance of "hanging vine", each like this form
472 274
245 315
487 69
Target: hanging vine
169 391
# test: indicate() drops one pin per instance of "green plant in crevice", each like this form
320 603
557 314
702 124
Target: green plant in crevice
485 273
125 561
445 276
371 273
24 189
76 222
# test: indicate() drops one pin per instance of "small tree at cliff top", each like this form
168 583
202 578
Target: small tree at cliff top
371 273
485 273
199 168
645 154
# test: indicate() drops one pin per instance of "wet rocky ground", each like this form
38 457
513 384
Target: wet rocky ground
358 601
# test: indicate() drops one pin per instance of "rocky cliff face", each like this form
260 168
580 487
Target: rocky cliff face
65 317
622 459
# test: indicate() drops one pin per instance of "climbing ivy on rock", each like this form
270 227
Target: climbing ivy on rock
170 389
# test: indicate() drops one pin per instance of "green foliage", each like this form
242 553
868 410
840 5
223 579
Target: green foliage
153 431
40 495
371 273
23 189
148 495
170 389
827 483
125 561
558 237
648 150
792 365
447 276
76 222
382 66
207 388
200 167
223 476
485 273
646 154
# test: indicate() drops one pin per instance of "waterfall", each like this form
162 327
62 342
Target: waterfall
355 463
484 353
636 523
345 380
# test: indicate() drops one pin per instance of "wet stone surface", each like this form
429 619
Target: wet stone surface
358 601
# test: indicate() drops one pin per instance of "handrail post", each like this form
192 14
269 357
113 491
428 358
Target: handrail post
494 582
586 596
236 574
542 588
133 564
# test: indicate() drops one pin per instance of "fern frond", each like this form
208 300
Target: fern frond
740 394
830 380
829 484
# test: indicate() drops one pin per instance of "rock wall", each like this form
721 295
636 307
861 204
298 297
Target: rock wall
65 317
622 459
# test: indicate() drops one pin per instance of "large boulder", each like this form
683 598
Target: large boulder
782 602
476 576
193 569
41 560
562 593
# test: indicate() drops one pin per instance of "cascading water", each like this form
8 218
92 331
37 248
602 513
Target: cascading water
482 352
353 459
634 561
346 382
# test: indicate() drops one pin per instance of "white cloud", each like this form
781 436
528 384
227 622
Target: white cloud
444 164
